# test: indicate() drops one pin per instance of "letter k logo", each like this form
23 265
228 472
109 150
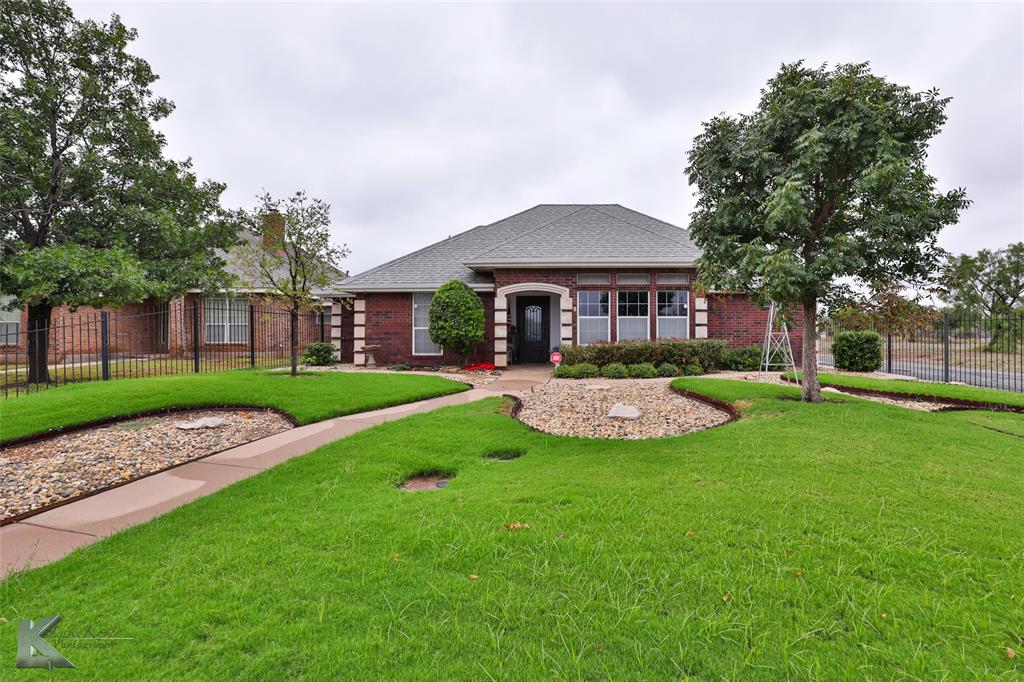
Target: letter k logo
36 652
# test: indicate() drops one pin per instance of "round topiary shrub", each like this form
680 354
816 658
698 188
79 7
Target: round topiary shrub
614 370
667 369
457 318
857 351
318 354
642 370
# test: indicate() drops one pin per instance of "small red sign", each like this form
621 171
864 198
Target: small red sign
556 358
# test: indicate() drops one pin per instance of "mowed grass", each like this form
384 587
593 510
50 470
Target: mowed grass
989 395
309 397
844 540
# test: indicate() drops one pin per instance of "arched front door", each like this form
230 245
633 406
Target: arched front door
533 328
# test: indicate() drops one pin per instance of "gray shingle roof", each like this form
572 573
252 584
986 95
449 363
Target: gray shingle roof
547 234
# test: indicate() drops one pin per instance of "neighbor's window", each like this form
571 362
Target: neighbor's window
634 320
673 314
421 343
10 322
227 319
592 317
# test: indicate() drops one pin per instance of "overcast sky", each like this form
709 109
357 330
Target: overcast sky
417 121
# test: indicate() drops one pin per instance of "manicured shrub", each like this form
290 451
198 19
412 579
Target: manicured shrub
614 370
693 370
584 370
457 318
642 370
708 353
745 359
857 351
318 354
667 369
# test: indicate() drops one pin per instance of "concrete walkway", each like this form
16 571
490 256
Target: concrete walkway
48 536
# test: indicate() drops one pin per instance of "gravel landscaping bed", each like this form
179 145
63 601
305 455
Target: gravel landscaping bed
568 407
474 379
56 469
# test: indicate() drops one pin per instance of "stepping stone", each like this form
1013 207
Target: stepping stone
204 423
622 411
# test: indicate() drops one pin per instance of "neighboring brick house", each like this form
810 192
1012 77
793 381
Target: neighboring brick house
553 275
165 328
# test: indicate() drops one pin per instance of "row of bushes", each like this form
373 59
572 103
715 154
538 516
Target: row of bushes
706 354
617 370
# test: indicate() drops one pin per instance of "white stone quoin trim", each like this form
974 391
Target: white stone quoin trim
358 331
700 306
501 314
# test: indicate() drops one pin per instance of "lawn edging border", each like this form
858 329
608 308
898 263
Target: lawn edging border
953 403
158 412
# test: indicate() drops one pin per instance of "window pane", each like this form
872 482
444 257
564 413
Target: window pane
9 333
421 309
7 315
593 304
672 303
593 278
632 329
673 328
633 278
422 345
632 304
593 329
239 333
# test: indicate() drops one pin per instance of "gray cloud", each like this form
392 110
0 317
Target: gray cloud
420 121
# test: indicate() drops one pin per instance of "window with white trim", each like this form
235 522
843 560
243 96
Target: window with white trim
593 319
632 278
673 314
421 343
673 278
634 316
226 319
10 322
593 278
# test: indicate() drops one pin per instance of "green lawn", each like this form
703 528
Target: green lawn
307 397
991 395
849 539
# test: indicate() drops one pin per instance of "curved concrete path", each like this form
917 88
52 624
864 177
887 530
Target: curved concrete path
48 536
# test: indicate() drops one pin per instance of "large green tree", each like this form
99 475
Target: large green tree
825 180
991 282
91 212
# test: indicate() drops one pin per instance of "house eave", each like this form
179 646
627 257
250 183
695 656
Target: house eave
535 264
480 288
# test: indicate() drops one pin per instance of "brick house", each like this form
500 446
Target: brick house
553 275
164 328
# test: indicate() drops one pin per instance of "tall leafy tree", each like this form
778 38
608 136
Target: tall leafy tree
294 256
825 180
457 318
91 212
991 282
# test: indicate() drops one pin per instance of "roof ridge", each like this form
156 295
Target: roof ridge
448 240
641 227
539 227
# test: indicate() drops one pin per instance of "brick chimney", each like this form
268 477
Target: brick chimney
273 231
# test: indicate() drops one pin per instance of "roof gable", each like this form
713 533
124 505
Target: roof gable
580 234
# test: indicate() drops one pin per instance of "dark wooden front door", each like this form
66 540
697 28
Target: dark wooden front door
533 328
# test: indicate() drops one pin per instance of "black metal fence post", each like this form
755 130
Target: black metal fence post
105 344
945 347
195 336
888 352
252 335
320 317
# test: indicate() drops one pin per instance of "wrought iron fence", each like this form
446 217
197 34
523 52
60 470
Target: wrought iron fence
183 336
978 350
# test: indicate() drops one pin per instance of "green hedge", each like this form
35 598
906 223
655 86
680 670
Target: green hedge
745 359
857 351
706 353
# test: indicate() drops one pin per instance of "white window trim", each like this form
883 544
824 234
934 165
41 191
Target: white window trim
607 318
226 325
674 317
647 318
414 328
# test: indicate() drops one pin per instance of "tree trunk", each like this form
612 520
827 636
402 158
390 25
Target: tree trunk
294 318
811 391
38 343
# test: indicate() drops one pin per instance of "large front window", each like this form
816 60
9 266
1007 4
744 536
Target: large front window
673 314
421 343
10 322
592 317
227 320
634 320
